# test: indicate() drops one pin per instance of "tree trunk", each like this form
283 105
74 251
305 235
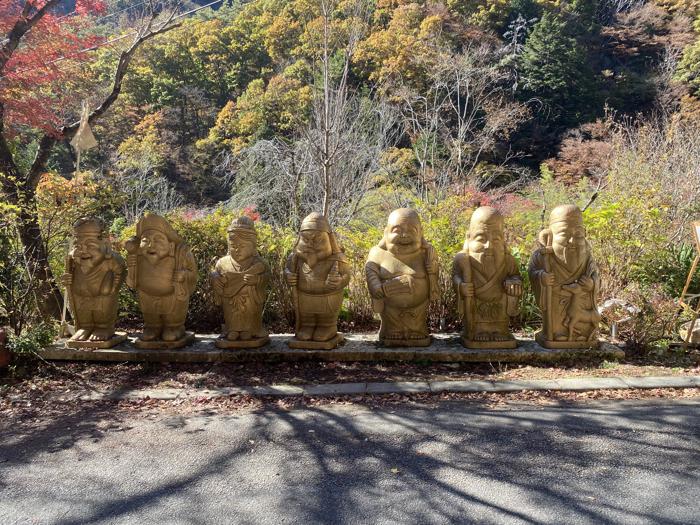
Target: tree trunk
48 297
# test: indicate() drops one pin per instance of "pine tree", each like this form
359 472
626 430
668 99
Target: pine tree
554 70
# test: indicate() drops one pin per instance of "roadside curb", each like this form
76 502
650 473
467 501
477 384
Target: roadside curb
406 387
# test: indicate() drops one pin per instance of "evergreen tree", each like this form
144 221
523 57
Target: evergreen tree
554 70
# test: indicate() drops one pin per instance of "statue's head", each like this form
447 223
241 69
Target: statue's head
157 239
90 246
485 238
242 239
403 233
568 234
316 239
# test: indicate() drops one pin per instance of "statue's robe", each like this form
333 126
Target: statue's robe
315 297
92 299
243 303
492 307
404 316
560 297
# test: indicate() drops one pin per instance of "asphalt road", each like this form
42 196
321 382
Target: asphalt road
615 462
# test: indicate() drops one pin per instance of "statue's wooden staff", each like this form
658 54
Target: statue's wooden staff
548 250
468 300
295 292
68 330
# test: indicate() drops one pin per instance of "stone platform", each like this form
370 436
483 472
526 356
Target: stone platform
445 348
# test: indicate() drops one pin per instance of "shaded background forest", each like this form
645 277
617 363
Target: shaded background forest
277 108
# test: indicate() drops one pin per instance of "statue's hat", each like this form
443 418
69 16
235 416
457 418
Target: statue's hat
151 221
566 212
88 226
316 221
242 224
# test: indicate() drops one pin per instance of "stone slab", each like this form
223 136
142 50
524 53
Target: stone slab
400 387
662 382
331 344
359 347
110 343
577 384
336 389
226 344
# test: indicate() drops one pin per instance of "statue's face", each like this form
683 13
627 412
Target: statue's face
403 234
314 246
154 245
89 251
240 249
568 240
486 242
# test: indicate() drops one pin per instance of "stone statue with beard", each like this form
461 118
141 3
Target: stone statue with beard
239 280
94 275
565 281
163 271
402 273
487 283
317 273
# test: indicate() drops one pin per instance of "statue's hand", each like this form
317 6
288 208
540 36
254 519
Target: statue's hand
513 287
586 283
334 280
179 277
67 279
466 289
398 285
131 260
251 278
430 267
547 279
292 278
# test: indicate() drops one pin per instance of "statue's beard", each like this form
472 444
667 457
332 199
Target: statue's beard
570 255
488 262
152 258
311 256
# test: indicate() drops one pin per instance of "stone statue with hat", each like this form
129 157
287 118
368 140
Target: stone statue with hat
93 276
317 273
163 271
565 281
240 281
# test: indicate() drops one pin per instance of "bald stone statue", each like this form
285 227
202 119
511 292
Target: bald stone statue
402 277
164 273
487 283
565 281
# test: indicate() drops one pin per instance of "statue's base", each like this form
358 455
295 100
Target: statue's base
316 345
159 344
564 345
479 345
226 344
97 345
406 343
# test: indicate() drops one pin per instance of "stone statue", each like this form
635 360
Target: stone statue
565 281
487 283
317 273
402 277
164 272
94 274
240 280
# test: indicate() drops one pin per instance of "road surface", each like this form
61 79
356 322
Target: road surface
612 462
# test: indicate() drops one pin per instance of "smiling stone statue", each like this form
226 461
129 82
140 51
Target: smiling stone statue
565 280
94 274
402 277
164 272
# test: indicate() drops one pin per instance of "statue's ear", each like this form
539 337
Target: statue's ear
545 237
172 249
